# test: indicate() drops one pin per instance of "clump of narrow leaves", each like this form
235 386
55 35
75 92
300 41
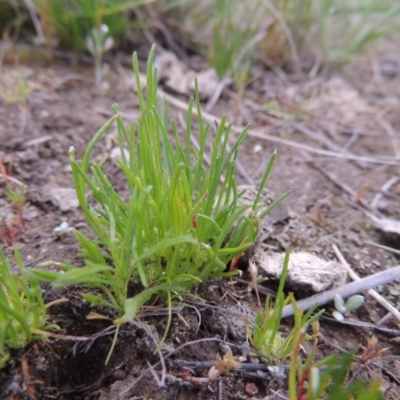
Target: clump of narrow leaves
181 223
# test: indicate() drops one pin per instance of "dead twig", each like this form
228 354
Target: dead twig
8 178
380 118
36 141
348 130
383 302
35 21
341 185
58 83
220 390
23 120
355 287
243 366
362 324
386 186
160 381
325 141
87 342
384 224
276 394
217 93
28 382
387 317
387 371
381 246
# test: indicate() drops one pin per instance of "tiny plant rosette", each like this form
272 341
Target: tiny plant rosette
342 307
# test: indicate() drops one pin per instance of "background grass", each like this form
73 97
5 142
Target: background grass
285 33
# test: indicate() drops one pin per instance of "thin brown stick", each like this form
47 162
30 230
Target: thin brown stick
386 186
56 302
380 118
40 332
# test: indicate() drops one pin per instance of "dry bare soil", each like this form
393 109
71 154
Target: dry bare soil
338 142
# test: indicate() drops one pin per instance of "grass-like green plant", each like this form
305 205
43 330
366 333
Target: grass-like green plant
223 30
22 309
309 380
264 335
231 33
182 221
90 25
234 26
358 22
327 31
299 33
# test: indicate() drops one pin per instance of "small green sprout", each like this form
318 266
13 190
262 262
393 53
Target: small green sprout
99 42
342 307
265 336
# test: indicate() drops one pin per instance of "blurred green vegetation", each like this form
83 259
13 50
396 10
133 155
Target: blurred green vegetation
71 21
229 33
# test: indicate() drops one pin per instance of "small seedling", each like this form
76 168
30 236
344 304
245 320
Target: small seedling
265 336
242 78
371 352
343 308
99 42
